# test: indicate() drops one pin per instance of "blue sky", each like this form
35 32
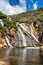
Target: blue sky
11 7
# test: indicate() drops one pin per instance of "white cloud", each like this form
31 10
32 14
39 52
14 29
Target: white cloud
10 10
35 5
23 4
32 1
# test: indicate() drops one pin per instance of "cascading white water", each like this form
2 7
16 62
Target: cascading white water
1 22
7 40
19 38
9 44
23 36
24 28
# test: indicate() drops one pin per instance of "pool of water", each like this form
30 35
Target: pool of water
19 56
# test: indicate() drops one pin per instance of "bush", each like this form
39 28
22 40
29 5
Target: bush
2 15
10 24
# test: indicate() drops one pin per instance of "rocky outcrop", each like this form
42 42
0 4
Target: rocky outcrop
33 30
12 36
37 29
3 43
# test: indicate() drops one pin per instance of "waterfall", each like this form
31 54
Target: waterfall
7 40
23 37
19 38
1 22
24 28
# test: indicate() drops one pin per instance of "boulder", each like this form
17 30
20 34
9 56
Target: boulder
2 43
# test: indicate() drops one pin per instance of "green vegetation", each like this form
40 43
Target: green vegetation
28 16
2 15
9 24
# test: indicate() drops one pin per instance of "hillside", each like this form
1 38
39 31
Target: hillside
29 16
9 29
35 17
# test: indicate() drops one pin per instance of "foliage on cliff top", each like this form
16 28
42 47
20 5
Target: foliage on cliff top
6 21
28 16
2 15
9 24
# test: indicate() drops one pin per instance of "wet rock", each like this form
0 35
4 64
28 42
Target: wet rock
37 29
33 30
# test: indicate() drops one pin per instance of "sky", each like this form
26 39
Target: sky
11 7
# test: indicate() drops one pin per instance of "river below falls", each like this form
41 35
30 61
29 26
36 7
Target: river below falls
19 56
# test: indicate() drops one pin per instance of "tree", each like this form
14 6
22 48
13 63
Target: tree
2 15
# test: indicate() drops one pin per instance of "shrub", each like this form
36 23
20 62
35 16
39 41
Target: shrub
2 15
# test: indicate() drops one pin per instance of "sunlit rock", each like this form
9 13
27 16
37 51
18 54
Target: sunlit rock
7 30
4 63
41 47
2 43
33 30
12 31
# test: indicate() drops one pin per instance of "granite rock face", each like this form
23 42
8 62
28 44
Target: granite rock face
38 24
